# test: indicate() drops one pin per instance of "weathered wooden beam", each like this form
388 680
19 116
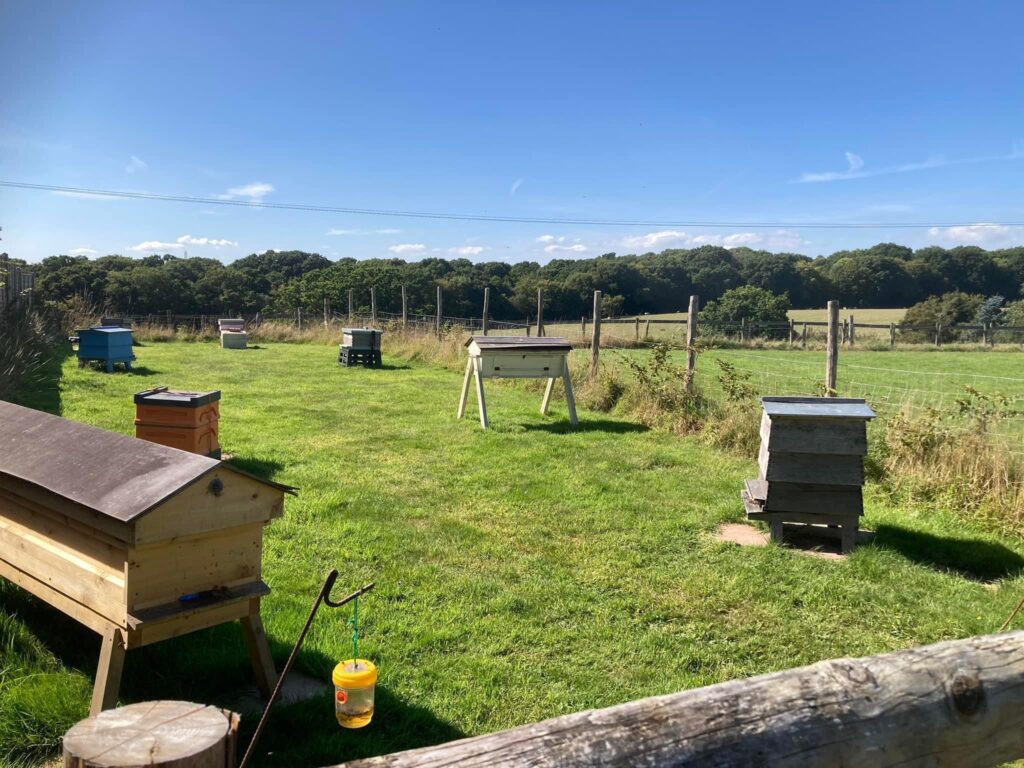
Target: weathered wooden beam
958 703
832 349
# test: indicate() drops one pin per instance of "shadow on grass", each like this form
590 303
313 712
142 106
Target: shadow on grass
975 559
595 425
262 468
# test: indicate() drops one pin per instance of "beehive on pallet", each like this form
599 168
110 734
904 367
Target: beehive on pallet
232 333
360 346
137 541
107 345
188 421
811 464
517 357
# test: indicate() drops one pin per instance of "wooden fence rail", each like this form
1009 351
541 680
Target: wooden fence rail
958 703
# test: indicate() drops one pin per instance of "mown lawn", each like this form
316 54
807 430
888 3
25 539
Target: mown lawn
522 573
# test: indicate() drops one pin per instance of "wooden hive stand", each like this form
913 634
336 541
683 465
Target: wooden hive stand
811 466
360 346
517 357
137 541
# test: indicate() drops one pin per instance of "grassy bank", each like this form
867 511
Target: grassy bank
523 572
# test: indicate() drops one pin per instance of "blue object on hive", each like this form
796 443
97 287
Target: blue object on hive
105 344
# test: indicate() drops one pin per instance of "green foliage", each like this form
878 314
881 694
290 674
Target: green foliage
735 383
989 310
748 303
950 308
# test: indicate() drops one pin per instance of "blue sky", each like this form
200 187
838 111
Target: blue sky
672 112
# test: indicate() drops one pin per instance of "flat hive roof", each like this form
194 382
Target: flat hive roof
817 407
115 475
531 343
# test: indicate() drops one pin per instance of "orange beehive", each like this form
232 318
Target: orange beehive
188 421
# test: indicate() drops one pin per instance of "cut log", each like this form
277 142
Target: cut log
958 703
171 734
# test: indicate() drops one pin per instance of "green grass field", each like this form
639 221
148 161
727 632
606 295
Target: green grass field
523 572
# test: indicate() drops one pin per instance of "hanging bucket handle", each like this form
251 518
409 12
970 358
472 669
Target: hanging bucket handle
329 585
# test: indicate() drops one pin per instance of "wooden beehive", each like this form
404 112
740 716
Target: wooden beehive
361 339
231 324
135 540
517 357
188 421
811 464
107 345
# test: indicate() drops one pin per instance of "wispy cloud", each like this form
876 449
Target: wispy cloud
135 164
515 186
81 251
255 191
856 168
408 248
978 234
151 246
561 244
668 238
468 250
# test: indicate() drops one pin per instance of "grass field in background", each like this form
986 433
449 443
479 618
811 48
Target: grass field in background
522 572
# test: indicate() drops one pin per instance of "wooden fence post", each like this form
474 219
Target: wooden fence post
373 307
327 311
405 308
540 312
938 334
744 329
647 330
351 308
832 350
527 326
636 329
487 308
853 332
440 301
583 326
803 337
892 334
792 331
691 342
595 341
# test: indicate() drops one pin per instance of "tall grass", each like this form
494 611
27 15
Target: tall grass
27 340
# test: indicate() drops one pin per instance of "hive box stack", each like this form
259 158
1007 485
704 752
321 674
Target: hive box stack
232 333
360 346
107 345
812 465
135 540
188 421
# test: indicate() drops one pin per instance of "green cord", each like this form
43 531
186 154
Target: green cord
354 623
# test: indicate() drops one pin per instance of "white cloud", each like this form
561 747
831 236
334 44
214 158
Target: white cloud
549 239
333 231
135 164
978 234
81 251
855 165
468 250
189 240
515 186
155 245
780 240
254 192
408 248
575 248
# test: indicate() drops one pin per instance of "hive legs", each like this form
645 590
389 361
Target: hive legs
259 649
547 397
465 388
108 671
570 400
480 396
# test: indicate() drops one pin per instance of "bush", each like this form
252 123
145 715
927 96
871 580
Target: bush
948 309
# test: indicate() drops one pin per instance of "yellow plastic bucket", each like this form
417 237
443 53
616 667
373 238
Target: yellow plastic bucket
354 683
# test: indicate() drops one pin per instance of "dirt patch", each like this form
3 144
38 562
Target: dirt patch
799 538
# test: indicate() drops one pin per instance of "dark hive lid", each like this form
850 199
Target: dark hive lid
530 343
170 397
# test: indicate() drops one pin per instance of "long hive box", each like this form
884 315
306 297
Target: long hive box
137 541
518 357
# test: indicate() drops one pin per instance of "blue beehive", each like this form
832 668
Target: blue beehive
107 345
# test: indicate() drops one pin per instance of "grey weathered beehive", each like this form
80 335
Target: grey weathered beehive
811 464
137 541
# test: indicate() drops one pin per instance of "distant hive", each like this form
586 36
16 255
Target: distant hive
107 345
188 421
232 333
360 346
811 465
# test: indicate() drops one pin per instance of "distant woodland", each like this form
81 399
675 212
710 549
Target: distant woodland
278 282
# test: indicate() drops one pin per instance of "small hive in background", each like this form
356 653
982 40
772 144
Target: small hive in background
107 345
232 333
360 346
811 465
188 421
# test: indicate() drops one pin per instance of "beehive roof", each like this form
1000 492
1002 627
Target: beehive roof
118 476
817 407
553 343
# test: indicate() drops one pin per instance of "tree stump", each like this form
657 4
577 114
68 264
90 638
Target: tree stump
173 734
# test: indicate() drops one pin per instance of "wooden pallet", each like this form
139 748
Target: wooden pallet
369 358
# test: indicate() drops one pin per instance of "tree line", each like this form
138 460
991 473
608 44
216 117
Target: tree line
279 282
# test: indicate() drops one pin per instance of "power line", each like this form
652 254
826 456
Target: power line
491 218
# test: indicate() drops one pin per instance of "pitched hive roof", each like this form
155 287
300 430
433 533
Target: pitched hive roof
118 476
